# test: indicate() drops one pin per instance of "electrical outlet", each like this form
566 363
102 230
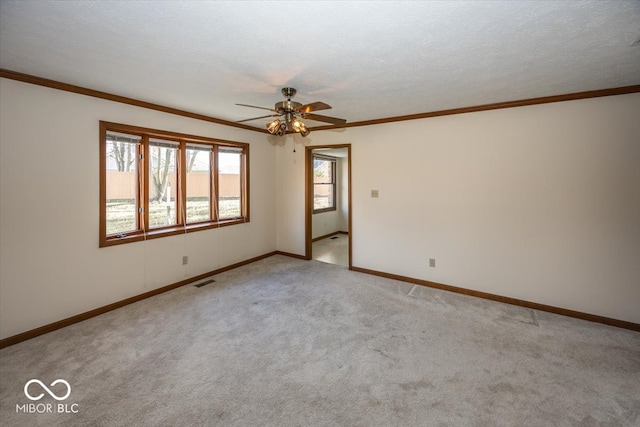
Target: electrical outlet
185 260
432 262
374 193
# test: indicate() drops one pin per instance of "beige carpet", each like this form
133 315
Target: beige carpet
285 342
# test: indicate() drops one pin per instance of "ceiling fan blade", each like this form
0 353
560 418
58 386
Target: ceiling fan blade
254 106
327 119
314 106
256 118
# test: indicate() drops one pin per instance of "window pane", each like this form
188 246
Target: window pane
323 183
198 184
322 173
229 183
122 183
322 196
162 183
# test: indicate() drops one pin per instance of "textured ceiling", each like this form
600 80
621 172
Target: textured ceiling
368 60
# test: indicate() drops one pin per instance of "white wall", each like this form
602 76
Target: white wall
540 203
50 265
324 223
290 231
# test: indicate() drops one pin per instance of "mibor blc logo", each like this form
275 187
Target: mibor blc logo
54 390
45 388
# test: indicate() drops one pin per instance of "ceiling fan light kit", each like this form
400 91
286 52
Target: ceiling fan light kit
276 127
291 114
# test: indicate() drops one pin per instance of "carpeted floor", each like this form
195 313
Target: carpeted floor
285 342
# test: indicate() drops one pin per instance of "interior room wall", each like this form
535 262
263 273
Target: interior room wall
324 224
51 266
539 203
290 195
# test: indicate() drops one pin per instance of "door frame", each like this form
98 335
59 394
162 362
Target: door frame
308 208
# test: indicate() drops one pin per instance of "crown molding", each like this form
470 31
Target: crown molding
40 81
486 107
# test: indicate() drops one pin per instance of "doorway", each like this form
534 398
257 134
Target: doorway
328 204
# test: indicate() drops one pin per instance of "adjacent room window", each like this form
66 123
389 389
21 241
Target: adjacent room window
155 183
324 183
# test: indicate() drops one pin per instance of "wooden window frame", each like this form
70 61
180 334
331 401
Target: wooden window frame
143 232
212 191
333 183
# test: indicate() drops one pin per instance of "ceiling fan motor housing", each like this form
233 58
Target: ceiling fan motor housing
286 106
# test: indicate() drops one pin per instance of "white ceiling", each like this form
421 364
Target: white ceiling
368 60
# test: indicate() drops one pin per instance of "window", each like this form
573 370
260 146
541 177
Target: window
155 183
122 198
324 184
230 184
199 159
163 182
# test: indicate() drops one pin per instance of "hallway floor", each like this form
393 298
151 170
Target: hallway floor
332 250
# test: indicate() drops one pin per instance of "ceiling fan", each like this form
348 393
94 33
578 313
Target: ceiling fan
291 113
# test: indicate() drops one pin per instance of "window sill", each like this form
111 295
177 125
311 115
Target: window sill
318 211
138 236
